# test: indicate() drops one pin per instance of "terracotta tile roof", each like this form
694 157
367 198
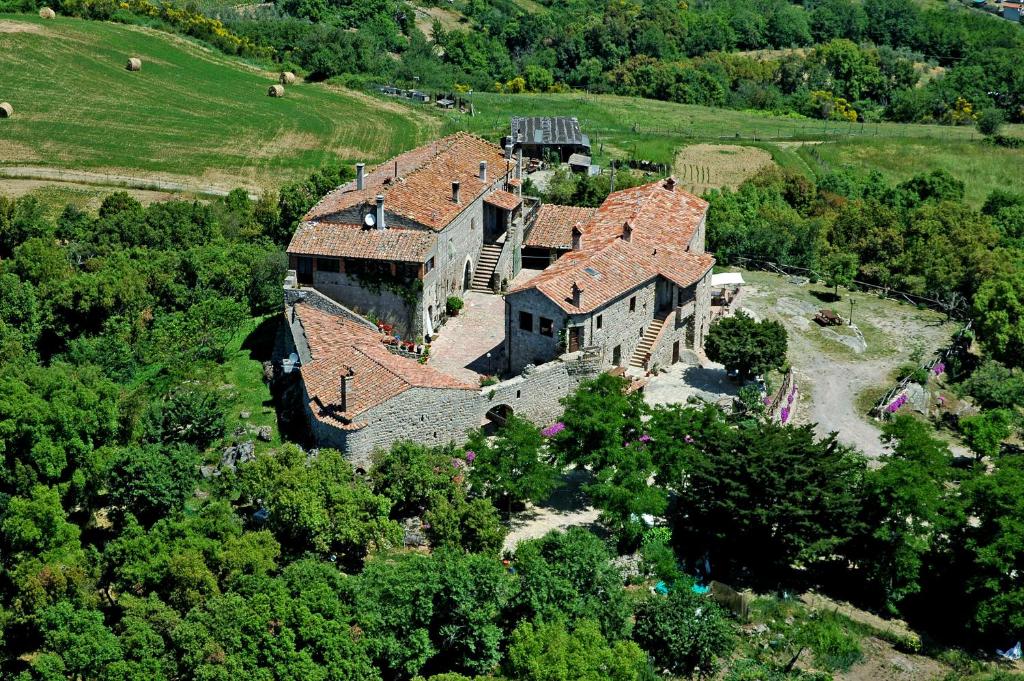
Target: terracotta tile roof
661 221
503 199
354 241
421 189
553 227
338 344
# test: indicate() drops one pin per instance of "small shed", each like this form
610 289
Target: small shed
579 163
275 91
445 103
1012 10
417 96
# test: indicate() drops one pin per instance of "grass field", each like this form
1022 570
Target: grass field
656 131
190 112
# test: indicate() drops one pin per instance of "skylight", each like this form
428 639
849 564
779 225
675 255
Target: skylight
591 271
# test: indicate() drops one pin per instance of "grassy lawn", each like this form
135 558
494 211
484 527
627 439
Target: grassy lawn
244 384
191 112
982 167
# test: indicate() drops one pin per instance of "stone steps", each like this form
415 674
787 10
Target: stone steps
485 266
639 358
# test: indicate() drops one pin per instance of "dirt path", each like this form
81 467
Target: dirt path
567 507
60 175
833 386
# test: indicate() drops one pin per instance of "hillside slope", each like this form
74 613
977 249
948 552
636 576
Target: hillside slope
190 113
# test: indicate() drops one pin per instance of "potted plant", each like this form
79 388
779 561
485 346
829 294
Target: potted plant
453 305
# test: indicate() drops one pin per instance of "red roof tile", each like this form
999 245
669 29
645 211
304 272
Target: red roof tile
661 221
338 344
503 199
354 241
418 184
553 227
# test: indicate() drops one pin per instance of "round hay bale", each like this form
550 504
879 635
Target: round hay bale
47 13
6 110
276 91
287 78
134 64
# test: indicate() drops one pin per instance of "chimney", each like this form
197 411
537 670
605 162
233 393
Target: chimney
519 163
347 389
627 231
508 149
670 183
483 171
379 222
577 295
455 191
360 176
577 237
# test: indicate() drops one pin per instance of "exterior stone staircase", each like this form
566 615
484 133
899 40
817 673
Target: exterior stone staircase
485 268
642 354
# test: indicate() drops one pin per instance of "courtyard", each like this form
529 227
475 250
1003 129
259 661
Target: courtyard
471 344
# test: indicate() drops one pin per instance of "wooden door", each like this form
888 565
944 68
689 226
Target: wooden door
575 338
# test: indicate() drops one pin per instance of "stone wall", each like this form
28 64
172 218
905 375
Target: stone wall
435 416
457 244
432 416
535 395
382 304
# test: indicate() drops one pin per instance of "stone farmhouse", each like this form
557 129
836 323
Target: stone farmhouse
622 287
397 241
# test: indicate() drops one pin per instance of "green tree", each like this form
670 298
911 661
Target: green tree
455 523
839 269
553 652
598 418
153 481
512 468
569 575
762 495
999 316
82 641
684 633
748 347
192 415
902 510
320 504
409 474
986 431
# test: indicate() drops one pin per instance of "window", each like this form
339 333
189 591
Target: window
328 264
632 304
429 266
525 321
600 320
547 327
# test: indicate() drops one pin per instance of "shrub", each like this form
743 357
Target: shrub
453 305
685 633
834 648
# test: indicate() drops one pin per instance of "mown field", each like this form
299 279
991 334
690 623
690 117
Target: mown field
656 131
190 113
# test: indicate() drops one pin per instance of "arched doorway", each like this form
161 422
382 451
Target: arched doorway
467 277
495 418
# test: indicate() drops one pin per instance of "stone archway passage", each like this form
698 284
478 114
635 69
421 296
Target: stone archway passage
496 417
